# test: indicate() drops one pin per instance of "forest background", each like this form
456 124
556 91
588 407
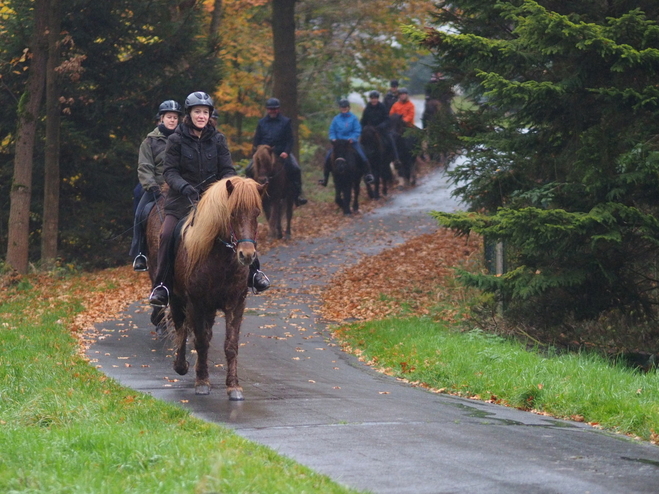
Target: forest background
112 63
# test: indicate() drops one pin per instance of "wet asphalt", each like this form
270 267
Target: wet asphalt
308 400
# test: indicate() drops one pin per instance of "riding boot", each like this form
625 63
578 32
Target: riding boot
160 294
294 174
257 280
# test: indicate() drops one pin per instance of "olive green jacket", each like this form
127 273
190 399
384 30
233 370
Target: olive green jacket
151 159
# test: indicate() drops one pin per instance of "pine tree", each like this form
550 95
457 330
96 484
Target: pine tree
562 148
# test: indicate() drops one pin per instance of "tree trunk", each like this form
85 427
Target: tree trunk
28 112
285 62
50 226
214 31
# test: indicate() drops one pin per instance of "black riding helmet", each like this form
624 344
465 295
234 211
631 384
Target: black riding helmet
403 90
344 103
373 94
169 106
272 104
198 98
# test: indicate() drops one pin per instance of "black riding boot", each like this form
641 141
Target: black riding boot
294 174
257 280
160 294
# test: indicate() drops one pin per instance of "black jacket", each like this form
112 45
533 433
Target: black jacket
276 132
198 161
374 115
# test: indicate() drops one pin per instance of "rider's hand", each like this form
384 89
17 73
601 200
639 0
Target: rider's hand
155 190
283 155
190 192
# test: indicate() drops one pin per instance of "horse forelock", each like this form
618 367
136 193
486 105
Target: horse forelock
264 160
212 218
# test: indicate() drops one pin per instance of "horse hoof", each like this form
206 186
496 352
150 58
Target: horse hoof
236 395
182 369
202 389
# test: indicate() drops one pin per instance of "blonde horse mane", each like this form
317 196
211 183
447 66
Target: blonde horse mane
212 218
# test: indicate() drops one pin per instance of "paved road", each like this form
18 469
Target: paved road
308 400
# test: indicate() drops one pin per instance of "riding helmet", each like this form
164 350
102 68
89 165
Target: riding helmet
170 106
198 98
373 94
393 83
344 103
272 104
403 90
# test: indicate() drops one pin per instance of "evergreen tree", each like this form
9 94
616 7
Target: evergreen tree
562 149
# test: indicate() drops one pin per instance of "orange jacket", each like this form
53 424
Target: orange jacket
406 109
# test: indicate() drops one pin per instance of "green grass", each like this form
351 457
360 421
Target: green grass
66 428
476 364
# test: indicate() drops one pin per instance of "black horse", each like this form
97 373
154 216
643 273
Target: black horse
347 174
408 149
375 147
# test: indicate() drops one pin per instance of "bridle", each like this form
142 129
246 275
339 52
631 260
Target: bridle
234 241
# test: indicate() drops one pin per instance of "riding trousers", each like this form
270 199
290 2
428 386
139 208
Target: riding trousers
138 245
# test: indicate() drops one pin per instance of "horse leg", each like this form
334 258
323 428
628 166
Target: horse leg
181 365
203 328
289 216
355 201
233 319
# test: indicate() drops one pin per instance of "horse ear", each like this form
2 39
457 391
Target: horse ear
230 187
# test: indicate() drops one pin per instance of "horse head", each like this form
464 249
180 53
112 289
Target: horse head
225 216
343 158
265 160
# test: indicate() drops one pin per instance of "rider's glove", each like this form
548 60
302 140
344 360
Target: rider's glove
190 192
155 190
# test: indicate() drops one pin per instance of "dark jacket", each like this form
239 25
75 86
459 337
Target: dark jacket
198 161
276 132
374 115
389 100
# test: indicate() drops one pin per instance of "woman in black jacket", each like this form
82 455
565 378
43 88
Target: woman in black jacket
197 156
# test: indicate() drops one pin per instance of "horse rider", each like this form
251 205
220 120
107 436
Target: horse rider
149 172
196 156
276 130
376 114
392 95
346 126
404 107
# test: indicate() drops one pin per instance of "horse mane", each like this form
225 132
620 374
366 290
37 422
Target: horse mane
212 218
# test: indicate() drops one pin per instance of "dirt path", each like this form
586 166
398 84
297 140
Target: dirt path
308 400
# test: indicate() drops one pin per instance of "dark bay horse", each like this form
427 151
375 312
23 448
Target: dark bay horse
408 150
342 164
210 273
375 148
269 168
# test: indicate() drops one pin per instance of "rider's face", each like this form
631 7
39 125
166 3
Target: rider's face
375 101
345 110
403 96
170 120
200 116
272 112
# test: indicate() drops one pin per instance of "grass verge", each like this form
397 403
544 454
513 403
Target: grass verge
67 428
582 387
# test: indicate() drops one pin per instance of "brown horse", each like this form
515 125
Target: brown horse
210 273
269 168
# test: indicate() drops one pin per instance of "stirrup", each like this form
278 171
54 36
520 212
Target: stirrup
141 257
155 302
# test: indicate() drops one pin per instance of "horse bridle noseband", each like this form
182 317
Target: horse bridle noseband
233 241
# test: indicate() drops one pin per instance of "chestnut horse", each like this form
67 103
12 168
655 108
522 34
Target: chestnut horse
218 243
269 168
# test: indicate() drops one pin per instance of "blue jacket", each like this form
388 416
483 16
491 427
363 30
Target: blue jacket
345 126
